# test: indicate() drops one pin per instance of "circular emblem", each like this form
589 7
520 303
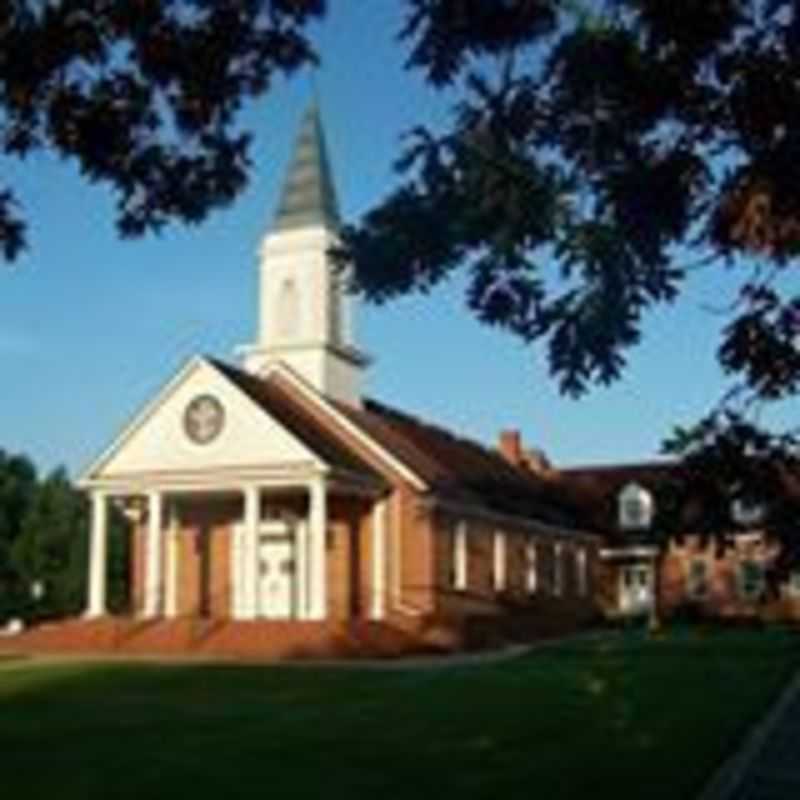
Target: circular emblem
203 419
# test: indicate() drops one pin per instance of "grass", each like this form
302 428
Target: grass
594 720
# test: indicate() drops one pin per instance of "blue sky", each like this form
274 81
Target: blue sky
91 326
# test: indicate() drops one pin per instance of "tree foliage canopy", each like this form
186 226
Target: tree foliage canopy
44 536
597 153
142 95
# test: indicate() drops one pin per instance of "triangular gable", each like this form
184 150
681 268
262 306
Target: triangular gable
156 440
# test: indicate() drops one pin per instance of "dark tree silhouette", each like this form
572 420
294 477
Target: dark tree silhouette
597 152
143 95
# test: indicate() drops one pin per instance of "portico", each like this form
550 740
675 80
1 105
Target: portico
265 549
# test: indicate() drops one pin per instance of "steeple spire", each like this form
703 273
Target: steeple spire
309 197
305 311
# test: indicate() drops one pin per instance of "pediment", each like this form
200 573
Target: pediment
157 441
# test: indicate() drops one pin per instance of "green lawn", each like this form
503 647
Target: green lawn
620 717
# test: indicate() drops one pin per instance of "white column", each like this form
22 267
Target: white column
96 606
153 578
252 515
171 592
318 524
301 567
379 514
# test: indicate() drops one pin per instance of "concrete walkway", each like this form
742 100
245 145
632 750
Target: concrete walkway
767 767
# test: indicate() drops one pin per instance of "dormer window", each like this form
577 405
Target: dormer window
747 512
635 508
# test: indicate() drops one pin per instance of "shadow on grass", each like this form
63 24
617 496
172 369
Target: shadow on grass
580 720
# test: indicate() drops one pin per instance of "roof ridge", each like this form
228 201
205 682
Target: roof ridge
620 465
484 448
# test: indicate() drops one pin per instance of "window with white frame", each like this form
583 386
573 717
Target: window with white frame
635 508
794 583
697 579
531 567
499 559
460 557
747 512
558 569
582 572
751 579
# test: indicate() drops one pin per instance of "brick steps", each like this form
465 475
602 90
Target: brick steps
267 640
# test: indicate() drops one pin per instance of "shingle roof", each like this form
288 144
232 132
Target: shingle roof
309 196
456 468
281 406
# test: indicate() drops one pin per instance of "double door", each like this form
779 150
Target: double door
276 593
276 571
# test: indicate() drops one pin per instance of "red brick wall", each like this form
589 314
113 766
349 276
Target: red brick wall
723 598
137 560
365 550
204 533
345 558
411 553
515 611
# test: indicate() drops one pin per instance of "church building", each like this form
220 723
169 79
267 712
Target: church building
274 490
276 511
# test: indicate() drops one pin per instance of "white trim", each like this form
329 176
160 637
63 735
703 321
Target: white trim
635 507
219 481
460 557
98 545
274 533
139 419
153 578
171 593
378 449
558 569
628 552
89 477
318 529
499 561
582 572
531 567
252 520
631 600
378 605
747 514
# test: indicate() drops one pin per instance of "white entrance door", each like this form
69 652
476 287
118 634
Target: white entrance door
276 576
636 588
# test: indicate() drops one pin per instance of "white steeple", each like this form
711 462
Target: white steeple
305 315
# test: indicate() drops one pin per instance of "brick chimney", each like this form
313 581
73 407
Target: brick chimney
510 446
